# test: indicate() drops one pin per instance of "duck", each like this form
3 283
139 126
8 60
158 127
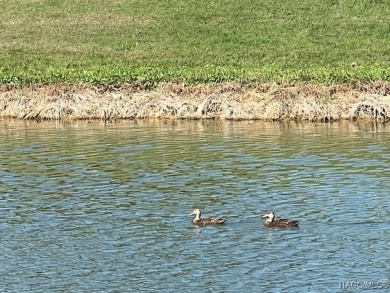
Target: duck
282 223
206 221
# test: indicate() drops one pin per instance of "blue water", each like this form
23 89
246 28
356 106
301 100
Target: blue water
95 207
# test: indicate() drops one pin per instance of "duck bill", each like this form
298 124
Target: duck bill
264 216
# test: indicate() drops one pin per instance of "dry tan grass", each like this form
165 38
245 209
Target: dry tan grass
227 101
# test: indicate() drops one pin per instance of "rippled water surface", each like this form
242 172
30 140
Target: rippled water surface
94 207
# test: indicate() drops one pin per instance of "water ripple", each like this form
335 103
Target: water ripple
100 207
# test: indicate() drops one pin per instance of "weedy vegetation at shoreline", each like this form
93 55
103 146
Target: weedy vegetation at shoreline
194 42
225 101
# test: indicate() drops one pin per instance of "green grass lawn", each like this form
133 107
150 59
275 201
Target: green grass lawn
149 41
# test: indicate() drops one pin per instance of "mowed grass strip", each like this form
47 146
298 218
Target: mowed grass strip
151 41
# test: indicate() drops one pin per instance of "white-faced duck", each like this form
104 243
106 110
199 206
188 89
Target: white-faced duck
271 222
206 221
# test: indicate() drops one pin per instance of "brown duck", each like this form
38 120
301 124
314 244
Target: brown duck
206 221
282 223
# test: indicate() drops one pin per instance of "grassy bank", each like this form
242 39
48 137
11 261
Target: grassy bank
151 41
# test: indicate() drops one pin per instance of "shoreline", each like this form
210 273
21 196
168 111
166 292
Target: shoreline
269 102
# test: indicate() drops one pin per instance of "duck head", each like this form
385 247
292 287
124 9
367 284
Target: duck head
196 212
269 216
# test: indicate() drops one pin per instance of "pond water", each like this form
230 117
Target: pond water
104 207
